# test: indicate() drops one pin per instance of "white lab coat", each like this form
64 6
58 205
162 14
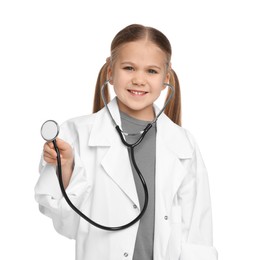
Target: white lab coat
103 188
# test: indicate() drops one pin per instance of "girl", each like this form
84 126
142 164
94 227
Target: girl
98 176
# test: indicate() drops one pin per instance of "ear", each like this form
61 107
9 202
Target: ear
110 73
167 79
168 75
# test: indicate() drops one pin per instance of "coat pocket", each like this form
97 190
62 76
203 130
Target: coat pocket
174 244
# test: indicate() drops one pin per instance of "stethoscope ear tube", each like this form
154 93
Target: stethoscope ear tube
129 146
159 113
59 172
120 132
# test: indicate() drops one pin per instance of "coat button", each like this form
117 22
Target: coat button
125 254
165 217
134 206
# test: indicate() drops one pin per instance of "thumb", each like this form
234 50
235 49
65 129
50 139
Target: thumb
62 145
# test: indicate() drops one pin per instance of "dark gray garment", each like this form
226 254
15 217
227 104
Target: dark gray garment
145 156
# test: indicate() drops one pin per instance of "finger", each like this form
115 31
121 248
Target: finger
50 151
50 155
48 145
62 145
50 159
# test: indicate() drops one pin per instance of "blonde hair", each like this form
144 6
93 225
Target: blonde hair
133 33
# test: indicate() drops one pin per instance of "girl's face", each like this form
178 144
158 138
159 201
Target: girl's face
137 75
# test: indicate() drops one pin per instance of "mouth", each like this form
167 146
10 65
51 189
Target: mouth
137 92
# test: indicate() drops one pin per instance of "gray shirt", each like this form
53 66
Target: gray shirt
145 157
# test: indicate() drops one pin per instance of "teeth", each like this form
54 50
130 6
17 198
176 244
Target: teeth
137 92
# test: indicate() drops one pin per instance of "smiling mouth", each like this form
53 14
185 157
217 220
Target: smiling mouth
137 92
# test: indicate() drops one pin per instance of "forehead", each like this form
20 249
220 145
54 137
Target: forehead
142 52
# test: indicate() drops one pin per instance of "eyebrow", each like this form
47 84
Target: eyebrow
149 66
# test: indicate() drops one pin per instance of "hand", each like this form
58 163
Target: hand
66 153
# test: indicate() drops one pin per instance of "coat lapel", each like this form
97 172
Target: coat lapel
172 146
117 165
115 162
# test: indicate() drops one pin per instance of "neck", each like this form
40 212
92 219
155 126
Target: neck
146 114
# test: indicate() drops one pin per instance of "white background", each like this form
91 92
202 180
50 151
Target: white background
50 55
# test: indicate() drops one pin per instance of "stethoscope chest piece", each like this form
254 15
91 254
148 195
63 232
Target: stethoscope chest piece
50 130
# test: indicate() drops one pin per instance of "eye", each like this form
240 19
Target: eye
130 68
151 71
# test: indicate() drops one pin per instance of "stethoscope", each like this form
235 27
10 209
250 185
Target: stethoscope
50 130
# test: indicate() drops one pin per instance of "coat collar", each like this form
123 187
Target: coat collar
174 137
172 145
103 127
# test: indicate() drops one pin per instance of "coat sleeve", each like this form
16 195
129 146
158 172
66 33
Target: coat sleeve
50 199
194 198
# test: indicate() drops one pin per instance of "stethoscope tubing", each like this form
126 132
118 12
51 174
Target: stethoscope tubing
117 228
155 119
130 147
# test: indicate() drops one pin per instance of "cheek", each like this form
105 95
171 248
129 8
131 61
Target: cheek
116 89
160 83
119 79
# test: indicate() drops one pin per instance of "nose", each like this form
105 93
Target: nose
139 79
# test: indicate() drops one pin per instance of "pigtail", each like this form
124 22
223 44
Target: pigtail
133 33
102 77
173 109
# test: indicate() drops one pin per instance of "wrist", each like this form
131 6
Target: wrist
68 165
